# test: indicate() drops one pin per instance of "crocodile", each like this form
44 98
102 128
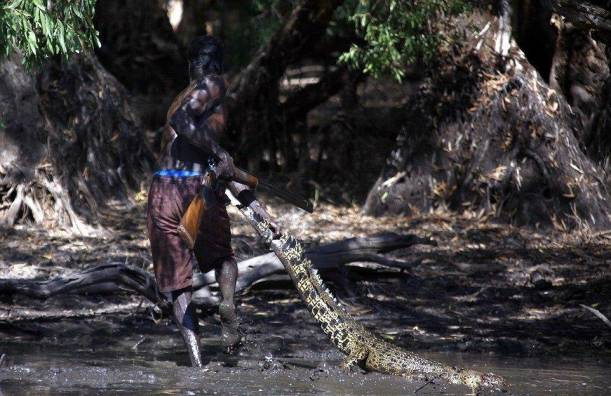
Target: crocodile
362 347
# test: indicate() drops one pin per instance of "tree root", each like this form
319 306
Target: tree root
65 151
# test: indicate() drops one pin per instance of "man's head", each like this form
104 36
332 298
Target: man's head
205 57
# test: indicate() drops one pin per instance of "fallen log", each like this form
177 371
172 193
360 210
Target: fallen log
333 255
118 277
10 314
110 277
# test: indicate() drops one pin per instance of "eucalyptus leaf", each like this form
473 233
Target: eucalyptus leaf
37 32
395 33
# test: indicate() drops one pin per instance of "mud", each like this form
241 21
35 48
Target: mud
131 354
490 297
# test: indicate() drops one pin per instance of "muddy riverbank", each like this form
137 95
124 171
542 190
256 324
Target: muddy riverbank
489 296
131 354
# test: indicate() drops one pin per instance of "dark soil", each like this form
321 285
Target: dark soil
487 290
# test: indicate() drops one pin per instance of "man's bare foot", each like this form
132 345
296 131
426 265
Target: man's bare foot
230 332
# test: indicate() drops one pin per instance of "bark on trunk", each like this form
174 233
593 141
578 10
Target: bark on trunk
599 139
587 15
69 142
579 71
492 137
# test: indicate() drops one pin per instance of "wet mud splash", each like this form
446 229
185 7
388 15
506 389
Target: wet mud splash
130 354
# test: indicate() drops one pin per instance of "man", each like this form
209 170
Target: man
196 121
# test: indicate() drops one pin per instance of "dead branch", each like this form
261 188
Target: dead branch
598 314
299 103
117 277
8 314
304 27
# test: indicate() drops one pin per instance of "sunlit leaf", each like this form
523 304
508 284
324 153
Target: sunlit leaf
395 33
36 32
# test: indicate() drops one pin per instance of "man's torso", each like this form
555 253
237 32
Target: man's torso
176 152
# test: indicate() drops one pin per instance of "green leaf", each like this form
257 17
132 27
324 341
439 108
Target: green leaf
62 39
14 4
32 42
39 5
395 33
28 26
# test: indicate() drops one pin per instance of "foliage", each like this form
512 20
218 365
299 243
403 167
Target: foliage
390 33
259 20
42 28
395 33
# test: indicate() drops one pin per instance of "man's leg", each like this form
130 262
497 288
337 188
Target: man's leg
226 274
171 259
213 251
186 320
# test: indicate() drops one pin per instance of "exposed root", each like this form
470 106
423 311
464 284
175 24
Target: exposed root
43 201
70 144
488 134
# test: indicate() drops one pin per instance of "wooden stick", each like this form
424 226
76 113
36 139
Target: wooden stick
598 314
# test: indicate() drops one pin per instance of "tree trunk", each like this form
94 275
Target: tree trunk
599 142
588 15
580 70
492 137
254 108
141 50
69 142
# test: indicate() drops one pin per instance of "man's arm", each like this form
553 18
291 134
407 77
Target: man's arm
195 121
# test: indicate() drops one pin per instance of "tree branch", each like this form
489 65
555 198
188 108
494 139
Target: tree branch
305 26
253 93
585 15
298 104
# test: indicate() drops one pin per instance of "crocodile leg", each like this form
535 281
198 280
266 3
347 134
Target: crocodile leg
350 363
353 359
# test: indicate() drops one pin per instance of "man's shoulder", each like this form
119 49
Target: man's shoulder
213 84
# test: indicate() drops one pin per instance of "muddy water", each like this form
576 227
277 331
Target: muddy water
151 361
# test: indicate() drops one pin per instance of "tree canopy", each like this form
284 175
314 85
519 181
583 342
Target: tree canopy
39 29
391 33
395 33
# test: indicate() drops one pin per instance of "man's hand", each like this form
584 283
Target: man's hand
197 101
261 212
247 198
225 169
